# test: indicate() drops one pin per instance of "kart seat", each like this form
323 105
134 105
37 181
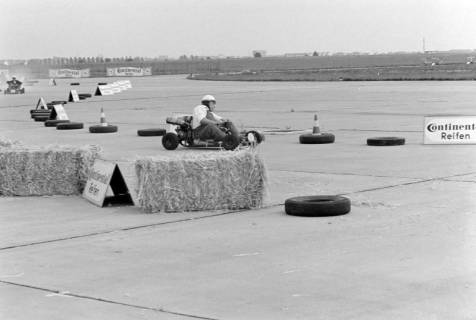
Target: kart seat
179 120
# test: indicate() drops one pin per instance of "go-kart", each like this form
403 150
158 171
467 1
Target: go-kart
14 87
181 133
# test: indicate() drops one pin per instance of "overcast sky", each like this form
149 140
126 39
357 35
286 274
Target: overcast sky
114 28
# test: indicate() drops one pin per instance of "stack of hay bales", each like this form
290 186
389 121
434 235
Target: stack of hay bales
207 181
50 170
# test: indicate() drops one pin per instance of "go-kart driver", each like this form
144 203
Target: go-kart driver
206 124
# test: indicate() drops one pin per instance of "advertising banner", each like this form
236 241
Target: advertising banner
450 130
129 72
69 73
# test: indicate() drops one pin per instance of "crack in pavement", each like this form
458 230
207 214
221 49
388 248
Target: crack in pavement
80 296
342 173
409 183
125 229
236 211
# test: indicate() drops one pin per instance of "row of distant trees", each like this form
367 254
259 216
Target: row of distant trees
86 60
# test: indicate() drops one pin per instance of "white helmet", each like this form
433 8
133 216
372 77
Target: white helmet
208 97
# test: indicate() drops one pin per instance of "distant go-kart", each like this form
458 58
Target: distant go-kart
182 134
14 87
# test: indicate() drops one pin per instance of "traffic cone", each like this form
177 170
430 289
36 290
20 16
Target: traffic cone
315 128
103 118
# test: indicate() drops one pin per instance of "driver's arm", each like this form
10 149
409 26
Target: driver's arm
206 121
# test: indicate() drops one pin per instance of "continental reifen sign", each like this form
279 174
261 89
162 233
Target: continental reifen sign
450 130
129 72
68 73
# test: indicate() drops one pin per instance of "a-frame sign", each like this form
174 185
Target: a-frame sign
104 91
58 113
41 104
105 178
73 96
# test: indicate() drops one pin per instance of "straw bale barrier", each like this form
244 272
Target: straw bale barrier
50 170
204 181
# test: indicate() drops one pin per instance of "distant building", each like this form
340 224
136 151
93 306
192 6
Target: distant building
298 54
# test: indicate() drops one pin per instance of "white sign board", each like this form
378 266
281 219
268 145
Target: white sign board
129 72
69 73
450 130
103 90
73 96
98 181
59 112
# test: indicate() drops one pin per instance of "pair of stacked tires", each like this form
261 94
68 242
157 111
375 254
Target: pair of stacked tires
40 114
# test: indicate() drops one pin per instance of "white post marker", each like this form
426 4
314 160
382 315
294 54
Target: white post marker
103 118
449 130
315 128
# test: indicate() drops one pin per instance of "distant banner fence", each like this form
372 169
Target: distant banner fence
69 73
129 72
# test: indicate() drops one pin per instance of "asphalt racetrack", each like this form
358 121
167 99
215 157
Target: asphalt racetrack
405 251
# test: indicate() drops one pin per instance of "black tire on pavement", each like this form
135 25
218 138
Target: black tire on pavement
39 111
41 118
386 141
151 132
59 102
69 126
54 123
86 95
317 206
170 141
316 138
102 83
103 129
74 83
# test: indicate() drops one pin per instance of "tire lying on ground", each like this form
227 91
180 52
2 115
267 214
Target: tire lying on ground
39 112
74 83
54 123
59 102
317 206
69 126
102 83
151 132
316 138
386 141
103 129
41 118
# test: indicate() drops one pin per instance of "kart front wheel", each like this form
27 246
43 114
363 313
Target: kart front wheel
170 141
230 142
255 136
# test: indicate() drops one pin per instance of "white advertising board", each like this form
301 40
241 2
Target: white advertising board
69 73
98 181
449 130
129 72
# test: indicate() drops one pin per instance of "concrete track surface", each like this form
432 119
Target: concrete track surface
405 251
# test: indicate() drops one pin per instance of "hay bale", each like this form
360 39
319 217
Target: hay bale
210 181
50 170
7 143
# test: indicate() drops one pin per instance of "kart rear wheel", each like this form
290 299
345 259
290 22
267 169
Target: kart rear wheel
170 141
230 142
